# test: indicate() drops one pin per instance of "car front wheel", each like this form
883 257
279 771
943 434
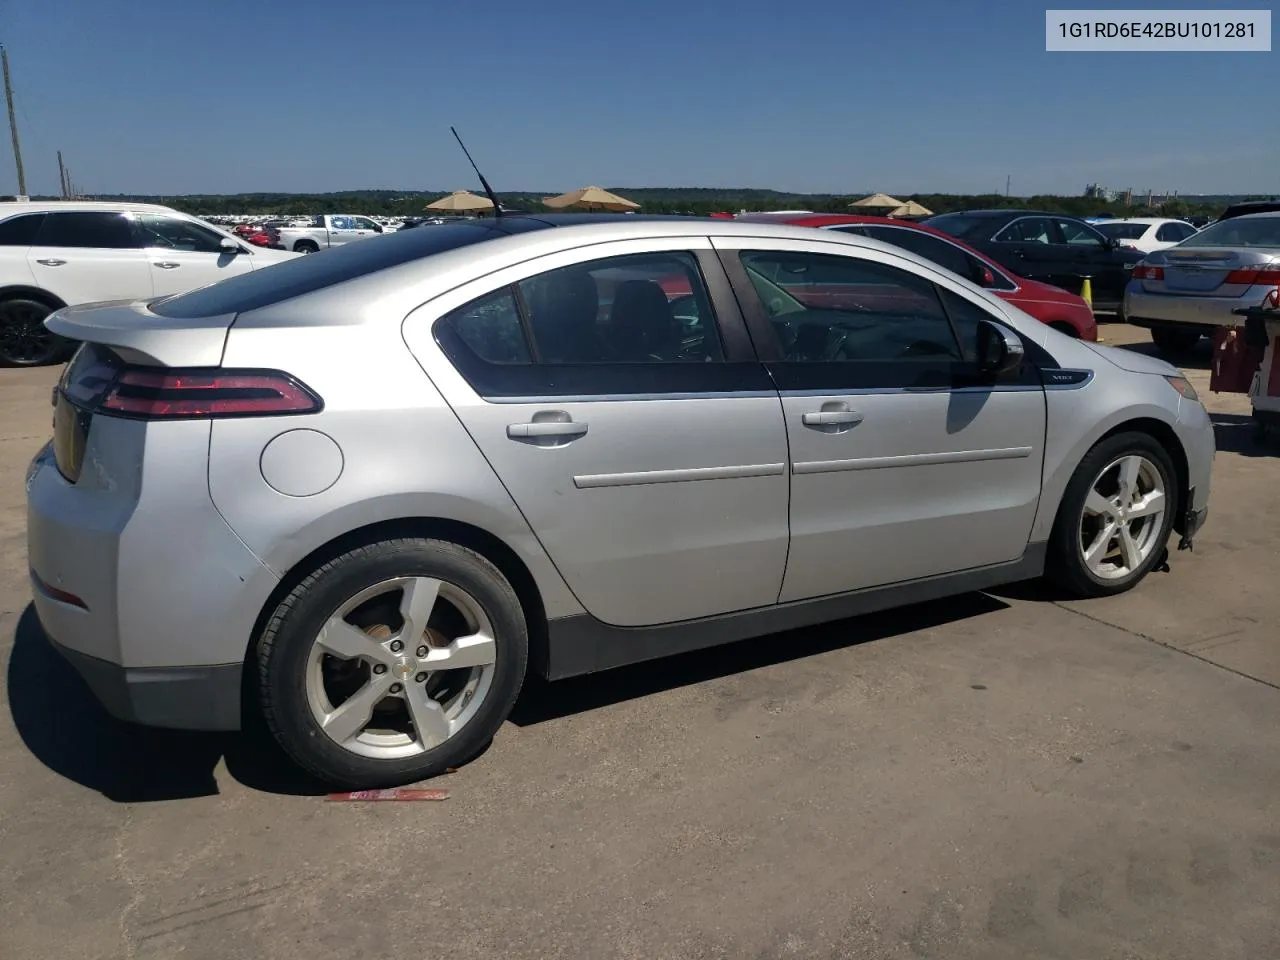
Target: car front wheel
392 663
1114 521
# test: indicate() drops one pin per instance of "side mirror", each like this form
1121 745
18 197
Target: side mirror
1000 352
229 246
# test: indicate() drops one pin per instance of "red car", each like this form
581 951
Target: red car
1061 310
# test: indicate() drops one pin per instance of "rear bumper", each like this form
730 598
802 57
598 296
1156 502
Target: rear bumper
150 595
180 698
1143 309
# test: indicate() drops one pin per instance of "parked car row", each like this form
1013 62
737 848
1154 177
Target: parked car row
64 253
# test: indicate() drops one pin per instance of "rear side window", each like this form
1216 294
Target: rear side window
103 231
295 278
20 231
1173 232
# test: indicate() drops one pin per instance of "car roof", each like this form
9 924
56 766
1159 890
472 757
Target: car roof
78 206
1150 221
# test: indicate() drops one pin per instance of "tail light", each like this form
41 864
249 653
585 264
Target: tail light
1144 271
1256 276
142 393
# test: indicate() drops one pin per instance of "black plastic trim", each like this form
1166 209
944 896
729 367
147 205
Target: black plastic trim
582 644
179 698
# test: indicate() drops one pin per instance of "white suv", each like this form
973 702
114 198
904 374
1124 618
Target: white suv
65 253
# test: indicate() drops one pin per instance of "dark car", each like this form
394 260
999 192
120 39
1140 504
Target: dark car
1049 247
1250 206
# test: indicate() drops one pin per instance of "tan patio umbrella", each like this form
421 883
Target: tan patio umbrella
877 201
911 209
590 198
461 201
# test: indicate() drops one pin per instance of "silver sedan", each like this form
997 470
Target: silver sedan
1185 291
377 486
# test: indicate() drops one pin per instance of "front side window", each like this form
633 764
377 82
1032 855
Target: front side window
364 223
931 248
171 233
1078 234
106 231
1027 230
826 308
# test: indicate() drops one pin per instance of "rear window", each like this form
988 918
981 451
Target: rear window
1122 231
295 278
1240 232
964 225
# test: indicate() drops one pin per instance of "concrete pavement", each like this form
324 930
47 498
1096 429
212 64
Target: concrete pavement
992 776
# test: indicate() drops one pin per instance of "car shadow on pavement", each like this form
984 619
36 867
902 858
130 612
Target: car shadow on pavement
1198 358
1237 433
64 727
541 701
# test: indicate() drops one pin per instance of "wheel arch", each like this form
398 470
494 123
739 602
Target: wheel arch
489 546
1164 435
26 291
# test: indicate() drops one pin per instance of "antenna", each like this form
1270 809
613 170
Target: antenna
488 190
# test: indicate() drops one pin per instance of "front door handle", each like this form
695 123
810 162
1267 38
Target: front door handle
831 418
548 432
168 265
51 261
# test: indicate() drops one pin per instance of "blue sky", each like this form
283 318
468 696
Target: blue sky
184 96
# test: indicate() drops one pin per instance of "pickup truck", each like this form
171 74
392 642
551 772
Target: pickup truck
324 231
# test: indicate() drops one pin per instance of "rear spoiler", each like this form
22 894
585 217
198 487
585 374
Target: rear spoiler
130 327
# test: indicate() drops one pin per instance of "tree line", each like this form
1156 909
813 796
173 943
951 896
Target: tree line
671 200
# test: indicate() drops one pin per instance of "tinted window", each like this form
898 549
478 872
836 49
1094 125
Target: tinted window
491 328
174 234
645 308
829 308
1241 232
109 231
1079 234
965 225
931 248
294 278
20 231
965 317
1027 230
1173 232
1123 231
364 223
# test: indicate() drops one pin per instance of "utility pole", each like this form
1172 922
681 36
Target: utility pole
13 123
62 177
1008 181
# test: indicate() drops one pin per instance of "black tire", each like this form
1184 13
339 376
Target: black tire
1174 343
285 645
306 246
1064 564
24 339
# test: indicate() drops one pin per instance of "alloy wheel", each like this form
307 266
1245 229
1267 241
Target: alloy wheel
1123 517
401 667
24 339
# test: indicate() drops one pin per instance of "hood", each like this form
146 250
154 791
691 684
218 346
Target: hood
1133 361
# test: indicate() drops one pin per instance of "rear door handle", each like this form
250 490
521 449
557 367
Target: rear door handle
168 265
831 418
51 261
546 428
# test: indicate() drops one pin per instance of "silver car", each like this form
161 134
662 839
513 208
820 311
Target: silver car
1186 291
377 486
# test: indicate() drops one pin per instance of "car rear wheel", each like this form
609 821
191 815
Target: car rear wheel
1173 342
392 663
1114 521
24 339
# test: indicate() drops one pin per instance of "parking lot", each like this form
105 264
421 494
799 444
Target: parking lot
995 775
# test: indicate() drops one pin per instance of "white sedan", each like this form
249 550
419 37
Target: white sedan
1147 234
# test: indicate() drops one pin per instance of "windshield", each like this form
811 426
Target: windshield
1121 231
1239 232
